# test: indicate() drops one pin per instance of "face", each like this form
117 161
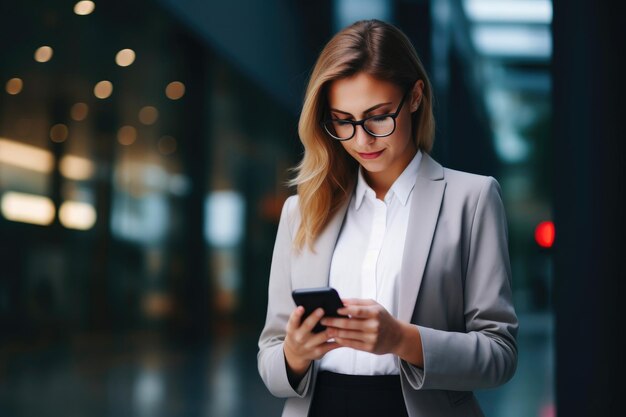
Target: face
362 95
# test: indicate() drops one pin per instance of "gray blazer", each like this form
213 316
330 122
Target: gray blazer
455 285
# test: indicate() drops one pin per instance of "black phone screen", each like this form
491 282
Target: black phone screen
313 298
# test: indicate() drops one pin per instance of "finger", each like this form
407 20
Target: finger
325 348
350 334
317 339
344 323
358 301
294 319
309 323
357 311
354 344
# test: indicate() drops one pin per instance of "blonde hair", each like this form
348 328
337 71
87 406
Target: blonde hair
326 174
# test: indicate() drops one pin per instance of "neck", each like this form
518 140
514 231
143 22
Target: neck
381 182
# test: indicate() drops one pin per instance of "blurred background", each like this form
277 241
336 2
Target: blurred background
144 148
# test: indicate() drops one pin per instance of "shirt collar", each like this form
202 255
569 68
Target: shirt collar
404 184
401 187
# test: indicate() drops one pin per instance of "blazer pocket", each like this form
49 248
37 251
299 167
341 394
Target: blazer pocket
457 398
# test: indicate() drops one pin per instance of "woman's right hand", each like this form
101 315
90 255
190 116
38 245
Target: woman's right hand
301 345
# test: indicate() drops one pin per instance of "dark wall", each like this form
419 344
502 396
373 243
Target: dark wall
589 174
274 42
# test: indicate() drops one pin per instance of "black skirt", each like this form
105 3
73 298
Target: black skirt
357 395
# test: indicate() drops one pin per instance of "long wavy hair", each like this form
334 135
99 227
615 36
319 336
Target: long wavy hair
327 173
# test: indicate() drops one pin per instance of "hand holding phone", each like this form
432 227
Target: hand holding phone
313 298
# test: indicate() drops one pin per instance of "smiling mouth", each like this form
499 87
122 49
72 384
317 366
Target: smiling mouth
370 155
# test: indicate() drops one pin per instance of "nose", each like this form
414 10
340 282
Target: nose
361 137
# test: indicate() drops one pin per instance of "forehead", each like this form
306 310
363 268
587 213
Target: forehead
360 92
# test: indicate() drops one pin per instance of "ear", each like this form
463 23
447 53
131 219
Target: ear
416 95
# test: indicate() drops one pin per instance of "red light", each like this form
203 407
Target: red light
544 234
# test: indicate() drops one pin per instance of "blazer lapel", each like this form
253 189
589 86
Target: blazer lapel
312 269
425 206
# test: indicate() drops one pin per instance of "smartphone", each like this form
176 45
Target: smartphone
313 298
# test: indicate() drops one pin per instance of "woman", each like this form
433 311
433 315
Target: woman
417 251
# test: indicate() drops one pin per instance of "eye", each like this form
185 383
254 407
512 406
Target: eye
380 119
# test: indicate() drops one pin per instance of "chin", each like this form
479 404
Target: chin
373 166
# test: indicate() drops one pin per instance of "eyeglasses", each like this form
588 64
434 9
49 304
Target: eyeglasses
379 126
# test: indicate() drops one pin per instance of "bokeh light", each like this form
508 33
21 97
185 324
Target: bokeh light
85 7
125 57
148 115
14 86
27 208
103 89
79 111
544 234
76 168
59 133
43 54
77 215
175 90
127 135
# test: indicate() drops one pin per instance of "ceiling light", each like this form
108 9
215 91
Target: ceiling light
76 168
27 208
25 156
513 41
77 215
519 11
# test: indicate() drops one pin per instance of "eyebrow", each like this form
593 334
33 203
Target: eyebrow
365 112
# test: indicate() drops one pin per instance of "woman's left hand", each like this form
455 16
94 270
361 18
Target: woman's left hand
370 327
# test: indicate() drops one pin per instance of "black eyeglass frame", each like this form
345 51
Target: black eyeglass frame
361 122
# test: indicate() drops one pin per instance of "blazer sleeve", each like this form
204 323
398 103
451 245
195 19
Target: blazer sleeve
271 359
486 354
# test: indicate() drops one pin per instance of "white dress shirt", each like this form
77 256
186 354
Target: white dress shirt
367 259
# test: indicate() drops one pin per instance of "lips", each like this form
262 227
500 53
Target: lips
370 155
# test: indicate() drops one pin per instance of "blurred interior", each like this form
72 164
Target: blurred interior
144 150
